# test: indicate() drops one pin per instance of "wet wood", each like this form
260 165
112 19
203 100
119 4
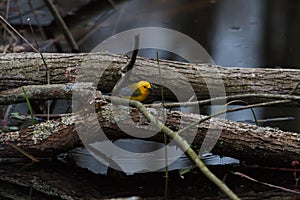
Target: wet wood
103 69
259 145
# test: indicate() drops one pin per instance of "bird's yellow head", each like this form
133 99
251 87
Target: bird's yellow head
144 86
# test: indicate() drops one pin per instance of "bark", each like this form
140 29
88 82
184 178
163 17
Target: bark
260 145
65 91
36 92
103 69
242 141
64 139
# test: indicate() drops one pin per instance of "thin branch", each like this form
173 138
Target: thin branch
11 33
295 88
181 142
293 98
272 168
6 17
62 24
23 152
42 32
130 65
233 110
21 36
43 59
126 70
267 184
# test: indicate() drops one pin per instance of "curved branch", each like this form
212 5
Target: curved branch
182 144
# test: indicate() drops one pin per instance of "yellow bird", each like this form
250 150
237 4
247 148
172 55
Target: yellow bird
137 91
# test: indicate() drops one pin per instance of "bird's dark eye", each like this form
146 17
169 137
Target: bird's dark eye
145 87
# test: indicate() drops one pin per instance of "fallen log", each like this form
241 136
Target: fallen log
28 69
253 144
246 142
65 91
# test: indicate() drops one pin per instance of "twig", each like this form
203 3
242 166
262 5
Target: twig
181 142
37 19
43 59
126 70
295 88
263 183
243 102
6 17
294 98
135 51
15 31
45 64
233 110
23 152
93 27
273 168
9 31
62 24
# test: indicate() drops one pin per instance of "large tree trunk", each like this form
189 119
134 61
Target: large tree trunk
28 69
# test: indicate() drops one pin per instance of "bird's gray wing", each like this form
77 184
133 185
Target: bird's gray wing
126 92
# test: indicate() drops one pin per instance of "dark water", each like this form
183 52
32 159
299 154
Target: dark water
236 33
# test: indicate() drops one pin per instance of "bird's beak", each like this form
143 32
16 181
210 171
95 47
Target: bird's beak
151 89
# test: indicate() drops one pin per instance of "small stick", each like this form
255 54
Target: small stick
62 24
126 70
23 152
21 36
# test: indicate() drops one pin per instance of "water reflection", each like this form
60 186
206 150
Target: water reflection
83 158
238 33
